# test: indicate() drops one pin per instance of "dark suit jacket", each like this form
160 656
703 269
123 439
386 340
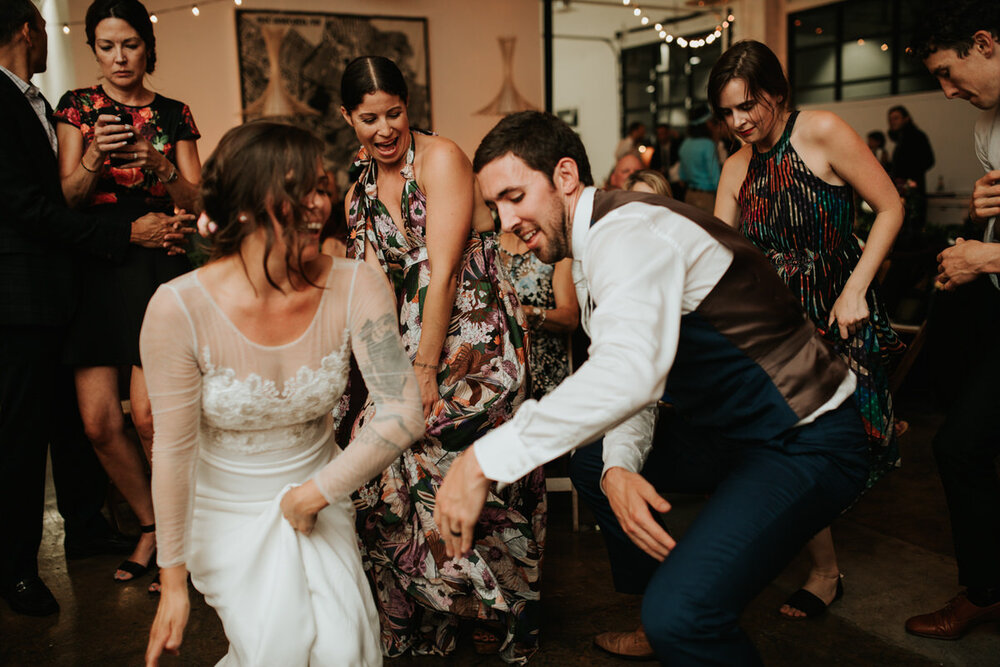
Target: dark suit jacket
38 233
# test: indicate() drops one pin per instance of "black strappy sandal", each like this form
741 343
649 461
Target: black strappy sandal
138 569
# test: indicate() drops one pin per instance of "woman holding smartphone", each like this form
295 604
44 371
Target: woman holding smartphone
123 150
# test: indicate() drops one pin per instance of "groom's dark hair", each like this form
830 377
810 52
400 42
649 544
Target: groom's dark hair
539 139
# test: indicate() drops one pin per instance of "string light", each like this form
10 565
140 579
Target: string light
708 38
195 10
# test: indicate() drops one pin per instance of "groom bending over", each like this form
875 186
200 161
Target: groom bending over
677 302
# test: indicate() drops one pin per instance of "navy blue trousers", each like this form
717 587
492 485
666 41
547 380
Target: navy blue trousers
767 500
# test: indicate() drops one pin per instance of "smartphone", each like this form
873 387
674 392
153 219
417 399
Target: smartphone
126 119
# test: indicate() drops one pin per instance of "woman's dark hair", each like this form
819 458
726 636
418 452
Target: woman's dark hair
539 139
878 136
899 108
132 12
757 66
258 170
371 74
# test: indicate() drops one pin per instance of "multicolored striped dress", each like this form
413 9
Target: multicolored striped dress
805 227
420 593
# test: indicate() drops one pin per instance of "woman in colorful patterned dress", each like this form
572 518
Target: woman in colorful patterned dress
123 150
548 298
416 213
790 190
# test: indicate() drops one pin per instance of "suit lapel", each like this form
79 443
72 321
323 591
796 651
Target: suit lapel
27 124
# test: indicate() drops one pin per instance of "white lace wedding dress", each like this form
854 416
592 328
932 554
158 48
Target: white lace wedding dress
237 424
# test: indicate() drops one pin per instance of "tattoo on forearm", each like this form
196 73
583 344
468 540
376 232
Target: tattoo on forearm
388 369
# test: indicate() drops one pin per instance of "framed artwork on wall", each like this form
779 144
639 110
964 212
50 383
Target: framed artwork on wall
291 64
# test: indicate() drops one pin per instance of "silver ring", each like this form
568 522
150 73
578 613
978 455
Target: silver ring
456 534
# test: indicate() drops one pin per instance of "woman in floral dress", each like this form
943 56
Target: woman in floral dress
124 151
416 214
548 298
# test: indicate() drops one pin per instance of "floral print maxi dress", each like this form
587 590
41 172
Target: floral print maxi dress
548 358
420 593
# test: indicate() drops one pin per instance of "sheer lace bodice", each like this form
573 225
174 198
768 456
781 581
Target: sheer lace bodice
215 392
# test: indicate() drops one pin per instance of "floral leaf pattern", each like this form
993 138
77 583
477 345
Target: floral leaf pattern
420 593
163 122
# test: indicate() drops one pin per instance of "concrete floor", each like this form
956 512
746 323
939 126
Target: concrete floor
895 552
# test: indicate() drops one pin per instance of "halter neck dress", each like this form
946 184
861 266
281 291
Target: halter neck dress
805 227
420 593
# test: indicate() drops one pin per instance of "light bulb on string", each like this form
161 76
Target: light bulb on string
195 10
637 11
645 20
238 3
65 28
153 18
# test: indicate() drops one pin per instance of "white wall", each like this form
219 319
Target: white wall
197 57
947 124
586 72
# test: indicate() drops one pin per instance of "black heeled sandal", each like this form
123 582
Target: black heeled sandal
138 569
811 605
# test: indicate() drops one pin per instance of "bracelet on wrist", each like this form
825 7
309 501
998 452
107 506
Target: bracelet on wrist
172 177
420 364
86 168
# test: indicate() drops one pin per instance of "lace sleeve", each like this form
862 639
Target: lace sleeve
168 347
388 374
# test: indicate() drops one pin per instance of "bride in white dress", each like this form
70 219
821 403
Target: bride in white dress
245 359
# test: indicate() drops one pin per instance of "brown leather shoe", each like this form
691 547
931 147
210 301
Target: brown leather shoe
953 620
628 645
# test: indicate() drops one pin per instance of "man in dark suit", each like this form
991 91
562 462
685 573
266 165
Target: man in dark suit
38 235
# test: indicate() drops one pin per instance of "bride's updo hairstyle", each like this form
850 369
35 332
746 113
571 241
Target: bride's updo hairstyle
371 74
259 169
759 69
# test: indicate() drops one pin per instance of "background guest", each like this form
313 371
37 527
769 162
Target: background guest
630 142
650 181
626 165
463 329
699 160
548 299
124 150
912 157
37 298
876 142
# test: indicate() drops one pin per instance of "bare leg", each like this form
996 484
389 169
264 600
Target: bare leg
142 413
142 419
104 423
825 572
